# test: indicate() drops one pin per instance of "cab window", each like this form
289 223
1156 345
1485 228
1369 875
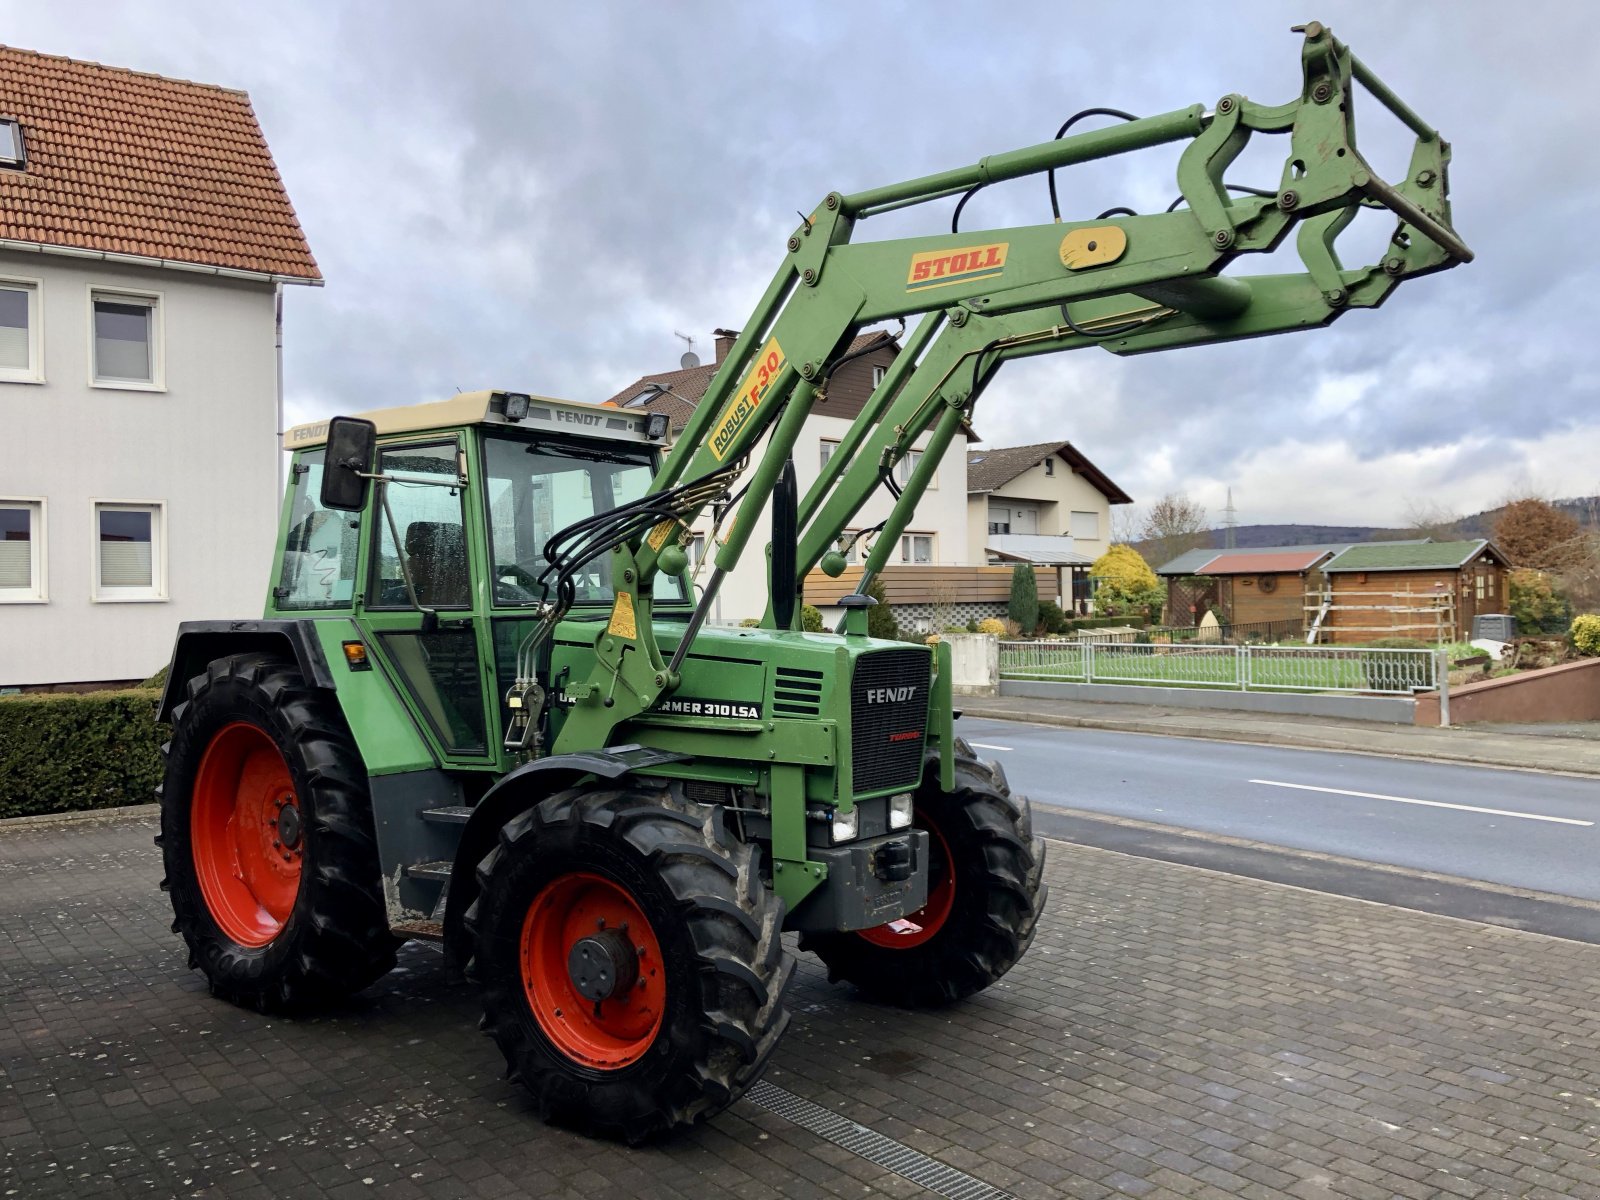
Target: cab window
319 551
534 489
427 508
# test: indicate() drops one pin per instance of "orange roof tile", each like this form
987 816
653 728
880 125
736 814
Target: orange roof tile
129 163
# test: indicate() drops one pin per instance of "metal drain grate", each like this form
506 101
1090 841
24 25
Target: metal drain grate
872 1146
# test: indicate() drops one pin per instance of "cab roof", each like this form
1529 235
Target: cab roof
485 408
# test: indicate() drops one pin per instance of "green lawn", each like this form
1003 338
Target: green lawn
1178 669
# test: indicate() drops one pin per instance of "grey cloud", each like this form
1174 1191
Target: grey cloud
541 195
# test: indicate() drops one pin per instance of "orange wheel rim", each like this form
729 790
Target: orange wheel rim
941 898
247 833
585 935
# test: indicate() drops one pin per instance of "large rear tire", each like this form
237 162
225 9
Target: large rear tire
985 892
630 959
266 835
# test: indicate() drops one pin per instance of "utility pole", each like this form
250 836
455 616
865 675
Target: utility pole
1230 522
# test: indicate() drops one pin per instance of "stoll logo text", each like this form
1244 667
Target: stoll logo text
890 695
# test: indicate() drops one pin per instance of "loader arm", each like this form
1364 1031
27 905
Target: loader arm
1131 284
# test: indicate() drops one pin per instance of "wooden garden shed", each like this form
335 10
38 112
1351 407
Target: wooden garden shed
1427 590
1266 586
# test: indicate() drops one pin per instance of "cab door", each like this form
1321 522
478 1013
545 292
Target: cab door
440 671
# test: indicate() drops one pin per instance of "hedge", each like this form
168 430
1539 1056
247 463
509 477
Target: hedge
69 752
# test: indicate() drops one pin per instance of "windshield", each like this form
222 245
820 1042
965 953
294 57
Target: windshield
535 488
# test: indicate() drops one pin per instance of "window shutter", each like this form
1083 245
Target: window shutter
16 564
13 329
125 564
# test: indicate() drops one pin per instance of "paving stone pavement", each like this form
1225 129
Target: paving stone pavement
1173 1033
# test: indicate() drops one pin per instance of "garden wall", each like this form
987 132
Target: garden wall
1554 695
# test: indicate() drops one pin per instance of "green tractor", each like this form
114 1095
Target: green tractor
484 708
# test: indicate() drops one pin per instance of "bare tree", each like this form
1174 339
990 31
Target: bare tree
1173 525
1125 524
1426 518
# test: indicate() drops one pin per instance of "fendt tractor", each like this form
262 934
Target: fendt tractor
484 706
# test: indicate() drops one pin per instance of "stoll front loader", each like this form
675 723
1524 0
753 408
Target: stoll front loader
484 708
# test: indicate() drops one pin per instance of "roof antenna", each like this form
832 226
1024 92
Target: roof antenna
690 358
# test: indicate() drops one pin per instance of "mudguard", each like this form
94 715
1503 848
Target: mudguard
201 642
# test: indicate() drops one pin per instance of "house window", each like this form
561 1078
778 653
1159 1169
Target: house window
877 376
12 151
127 340
1049 466
916 547
908 464
19 331
825 449
1086 525
697 549
21 551
129 561
847 545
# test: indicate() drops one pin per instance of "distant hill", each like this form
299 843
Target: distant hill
1585 508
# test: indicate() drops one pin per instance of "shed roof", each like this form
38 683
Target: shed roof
1424 556
123 163
1231 562
1192 562
989 470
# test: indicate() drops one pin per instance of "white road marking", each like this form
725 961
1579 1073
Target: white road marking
1493 812
988 746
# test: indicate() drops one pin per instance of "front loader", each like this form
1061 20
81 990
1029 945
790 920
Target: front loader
484 707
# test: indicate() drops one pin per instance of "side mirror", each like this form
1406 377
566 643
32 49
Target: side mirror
347 462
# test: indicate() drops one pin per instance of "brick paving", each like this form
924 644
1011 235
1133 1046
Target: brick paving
1173 1033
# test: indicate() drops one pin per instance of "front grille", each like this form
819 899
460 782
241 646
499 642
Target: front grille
796 692
889 719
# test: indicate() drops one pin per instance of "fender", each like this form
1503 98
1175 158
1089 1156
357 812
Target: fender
201 642
514 795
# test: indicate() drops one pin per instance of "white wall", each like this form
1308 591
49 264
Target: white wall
205 446
942 513
1057 496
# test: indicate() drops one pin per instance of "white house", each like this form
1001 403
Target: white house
145 237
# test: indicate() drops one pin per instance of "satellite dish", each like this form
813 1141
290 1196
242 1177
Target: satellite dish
689 359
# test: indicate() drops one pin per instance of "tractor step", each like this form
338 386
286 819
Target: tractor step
454 814
427 931
439 872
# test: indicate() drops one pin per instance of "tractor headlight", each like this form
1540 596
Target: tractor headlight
900 811
516 406
844 825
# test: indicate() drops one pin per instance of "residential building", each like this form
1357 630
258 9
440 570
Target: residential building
145 236
935 538
1046 504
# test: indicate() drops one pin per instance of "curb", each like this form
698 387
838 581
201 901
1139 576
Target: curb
79 815
1297 741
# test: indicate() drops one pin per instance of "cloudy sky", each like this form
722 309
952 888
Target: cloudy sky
539 195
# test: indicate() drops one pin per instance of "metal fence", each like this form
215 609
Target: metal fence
1242 668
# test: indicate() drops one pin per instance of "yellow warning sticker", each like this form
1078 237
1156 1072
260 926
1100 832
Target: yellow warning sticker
760 380
659 535
622 622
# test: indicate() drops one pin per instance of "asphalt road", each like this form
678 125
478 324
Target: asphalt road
1520 829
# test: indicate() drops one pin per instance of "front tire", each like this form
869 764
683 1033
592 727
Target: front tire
985 892
630 959
266 835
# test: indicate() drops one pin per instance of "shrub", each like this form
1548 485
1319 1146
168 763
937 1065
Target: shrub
75 751
972 626
1024 605
1400 643
811 619
749 622
880 618
1537 603
1586 634
992 625
1126 583
1051 618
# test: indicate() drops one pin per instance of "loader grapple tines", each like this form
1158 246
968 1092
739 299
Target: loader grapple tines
889 719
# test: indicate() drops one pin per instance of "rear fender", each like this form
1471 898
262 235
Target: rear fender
202 642
514 795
